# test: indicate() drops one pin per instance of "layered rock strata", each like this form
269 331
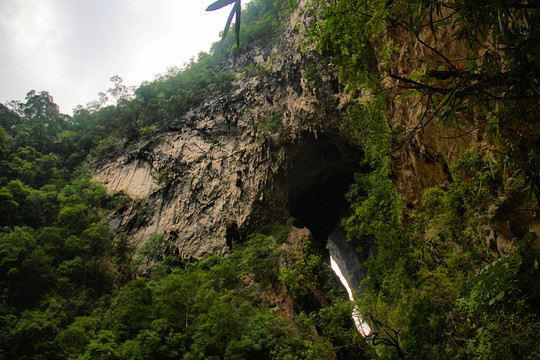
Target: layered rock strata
236 161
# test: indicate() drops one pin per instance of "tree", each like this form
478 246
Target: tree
119 91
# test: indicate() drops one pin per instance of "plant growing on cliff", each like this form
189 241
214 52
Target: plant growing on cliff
489 86
436 287
163 176
427 261
253 70
269 124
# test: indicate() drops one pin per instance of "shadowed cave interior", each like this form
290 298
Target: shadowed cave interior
320 204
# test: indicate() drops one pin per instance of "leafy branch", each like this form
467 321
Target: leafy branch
237 8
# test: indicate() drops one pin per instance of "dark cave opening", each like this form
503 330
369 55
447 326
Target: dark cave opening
317 181
318 178
321 206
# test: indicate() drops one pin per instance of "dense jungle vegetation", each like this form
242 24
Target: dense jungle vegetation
437 287
73 289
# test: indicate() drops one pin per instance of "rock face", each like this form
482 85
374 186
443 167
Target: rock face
271 148
422 159
240 159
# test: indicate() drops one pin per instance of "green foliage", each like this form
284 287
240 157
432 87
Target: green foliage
147 132
202 310
77 335
155 249
308 280
269 124
498 309
253 70
55 252
490 86
105 148
346 35
433 289
313 78
375 205
237 9
334 323
302 278
162 176
260 258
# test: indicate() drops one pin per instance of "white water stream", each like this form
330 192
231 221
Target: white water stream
362 326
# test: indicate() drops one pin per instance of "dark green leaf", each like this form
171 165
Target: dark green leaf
237 24
219 4
228 24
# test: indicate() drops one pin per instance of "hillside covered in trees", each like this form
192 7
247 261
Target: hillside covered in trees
439 98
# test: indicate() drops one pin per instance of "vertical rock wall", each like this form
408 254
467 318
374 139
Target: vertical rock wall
234 162
240 159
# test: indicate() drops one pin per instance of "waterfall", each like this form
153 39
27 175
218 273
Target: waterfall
362 326
347 265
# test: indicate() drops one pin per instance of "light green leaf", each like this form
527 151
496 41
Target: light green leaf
405 95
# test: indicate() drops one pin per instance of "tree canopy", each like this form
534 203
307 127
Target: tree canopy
436 287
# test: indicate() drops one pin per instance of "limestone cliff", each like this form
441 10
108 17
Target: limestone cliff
239 159
270 148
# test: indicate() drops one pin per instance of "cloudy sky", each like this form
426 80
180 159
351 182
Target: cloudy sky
71 48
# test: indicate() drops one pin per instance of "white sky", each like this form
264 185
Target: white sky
71 48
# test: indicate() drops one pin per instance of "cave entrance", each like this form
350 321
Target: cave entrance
318 178
318 182
321 206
